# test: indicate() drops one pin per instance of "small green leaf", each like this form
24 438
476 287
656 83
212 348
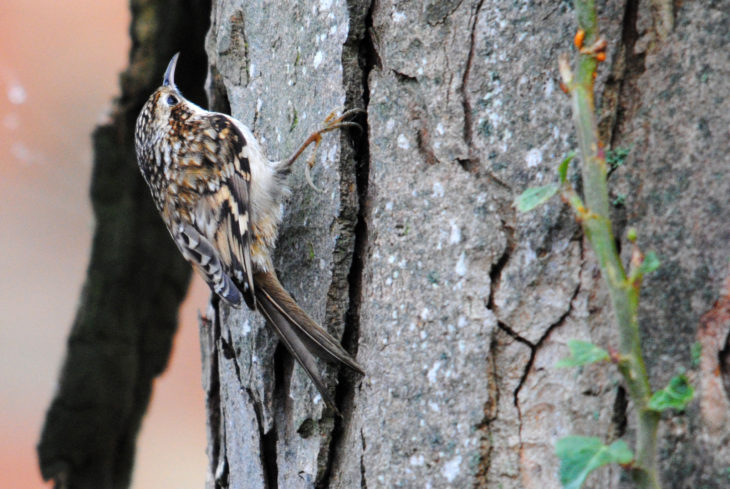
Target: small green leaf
631 235
311 251
616 157
619 200
579 455
582 353
676 395
294 121
563 167
535 196
696 353
651 262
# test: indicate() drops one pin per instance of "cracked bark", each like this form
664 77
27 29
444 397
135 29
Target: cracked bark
458 307
470 163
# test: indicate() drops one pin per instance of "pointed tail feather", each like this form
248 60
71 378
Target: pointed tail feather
303 337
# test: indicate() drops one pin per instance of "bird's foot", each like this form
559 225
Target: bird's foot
331 123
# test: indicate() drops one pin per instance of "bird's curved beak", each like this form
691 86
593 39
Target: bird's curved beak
169 79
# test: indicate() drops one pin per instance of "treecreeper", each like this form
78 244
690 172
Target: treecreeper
221 199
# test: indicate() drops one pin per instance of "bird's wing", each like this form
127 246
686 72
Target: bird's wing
216 165
205 259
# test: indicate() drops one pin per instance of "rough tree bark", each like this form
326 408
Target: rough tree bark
458 307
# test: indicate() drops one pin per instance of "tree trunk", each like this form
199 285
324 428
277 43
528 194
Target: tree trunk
122 335
457 306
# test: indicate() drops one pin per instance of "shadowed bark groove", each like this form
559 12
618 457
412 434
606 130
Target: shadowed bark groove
618 101
358 58
469 163
210 333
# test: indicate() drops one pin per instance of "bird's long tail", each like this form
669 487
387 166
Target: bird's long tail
304 338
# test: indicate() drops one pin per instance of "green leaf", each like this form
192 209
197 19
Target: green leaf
535 196
651 262
579 455
616 157
311 251
619 200
676 395
696 353
563 168
294 121
631 235
582 353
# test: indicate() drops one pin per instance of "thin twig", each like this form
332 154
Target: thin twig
597 227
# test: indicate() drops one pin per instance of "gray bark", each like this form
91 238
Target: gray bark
457 306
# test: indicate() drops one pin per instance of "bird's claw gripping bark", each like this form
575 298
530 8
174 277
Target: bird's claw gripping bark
331 123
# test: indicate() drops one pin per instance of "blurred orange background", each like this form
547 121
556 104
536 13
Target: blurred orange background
59 67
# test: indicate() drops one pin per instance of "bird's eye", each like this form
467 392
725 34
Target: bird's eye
172 100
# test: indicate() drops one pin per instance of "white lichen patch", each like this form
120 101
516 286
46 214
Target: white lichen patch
431 375
451 468
425 314
549 87
533 158
455 234
461 265
403 142
417 460
317 59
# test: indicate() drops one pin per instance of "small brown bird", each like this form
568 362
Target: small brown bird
220 198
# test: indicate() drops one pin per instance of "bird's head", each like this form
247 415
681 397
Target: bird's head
167 98
162 118
165 108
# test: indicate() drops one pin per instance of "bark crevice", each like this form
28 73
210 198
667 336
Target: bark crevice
470 162
619 98
359 57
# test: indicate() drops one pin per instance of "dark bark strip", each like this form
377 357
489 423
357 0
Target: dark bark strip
358 59
122 334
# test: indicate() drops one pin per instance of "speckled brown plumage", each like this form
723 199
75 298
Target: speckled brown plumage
220 198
